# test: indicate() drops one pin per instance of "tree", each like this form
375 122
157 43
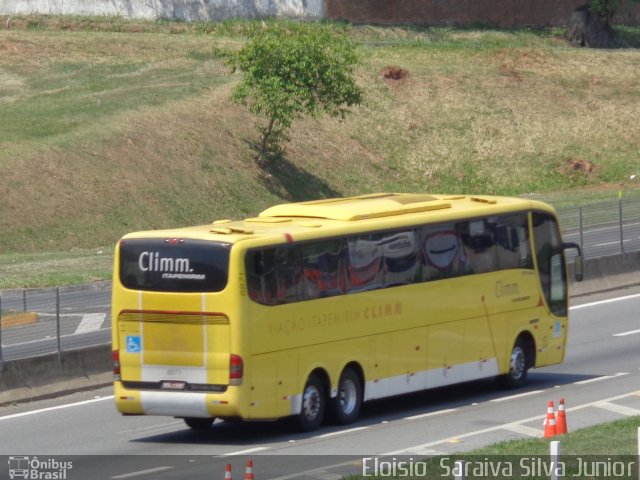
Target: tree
590 24
291 69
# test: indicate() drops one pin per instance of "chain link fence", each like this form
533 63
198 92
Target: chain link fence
44 321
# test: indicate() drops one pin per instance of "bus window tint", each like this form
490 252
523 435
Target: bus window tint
364 266
442 252
289 280
512 242
479 245
323 266
546 237
261 276
400 254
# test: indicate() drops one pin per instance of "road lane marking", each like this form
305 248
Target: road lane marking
244 452
142 472
430 414
519 395
602 302
598 379
90 322
508 426
615 408
340 432
624 334
57 407
523 430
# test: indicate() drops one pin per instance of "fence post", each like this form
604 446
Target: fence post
24 301
554 450
0 329
58 323
458 470
581 230
621 227
639 451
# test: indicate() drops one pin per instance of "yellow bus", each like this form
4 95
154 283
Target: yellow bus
312 308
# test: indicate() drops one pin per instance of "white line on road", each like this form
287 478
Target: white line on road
598 379
90 322
142 472
624 334
523 429
57 407
430 414
519 395
340 432
244 452
602 302
615 408
508 426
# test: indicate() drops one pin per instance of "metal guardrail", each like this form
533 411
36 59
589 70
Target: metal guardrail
44 321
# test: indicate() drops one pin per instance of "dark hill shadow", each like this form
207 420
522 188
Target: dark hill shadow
286 180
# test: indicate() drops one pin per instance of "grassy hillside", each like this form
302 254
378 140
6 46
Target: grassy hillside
109 126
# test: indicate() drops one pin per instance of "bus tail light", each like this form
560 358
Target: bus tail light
115 356
235 370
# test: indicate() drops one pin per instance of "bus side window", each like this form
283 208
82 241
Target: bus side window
480 246
364 263
400 254
441 252
261 276
324 268
512 242
546 236
289 283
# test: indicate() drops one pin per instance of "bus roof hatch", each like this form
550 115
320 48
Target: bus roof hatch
360 207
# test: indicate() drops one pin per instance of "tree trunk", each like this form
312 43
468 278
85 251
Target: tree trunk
587 29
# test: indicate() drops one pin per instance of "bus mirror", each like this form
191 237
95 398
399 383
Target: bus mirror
579 264
579 269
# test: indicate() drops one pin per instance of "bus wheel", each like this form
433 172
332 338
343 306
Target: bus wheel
349 399
518 366
313 404
197 423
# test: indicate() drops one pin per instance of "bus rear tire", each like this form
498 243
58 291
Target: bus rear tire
199 424
314 402
520 361
346 405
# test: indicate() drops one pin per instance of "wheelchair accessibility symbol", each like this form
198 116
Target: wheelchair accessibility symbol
133 344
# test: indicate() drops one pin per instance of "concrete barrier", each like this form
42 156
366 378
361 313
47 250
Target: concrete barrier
607 273
50 375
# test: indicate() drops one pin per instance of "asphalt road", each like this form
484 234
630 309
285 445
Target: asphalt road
600 381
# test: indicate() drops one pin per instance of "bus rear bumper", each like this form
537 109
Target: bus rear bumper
176 404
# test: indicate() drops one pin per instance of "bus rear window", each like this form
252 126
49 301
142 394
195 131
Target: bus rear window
174 265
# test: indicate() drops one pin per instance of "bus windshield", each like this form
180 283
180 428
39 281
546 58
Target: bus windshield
174 265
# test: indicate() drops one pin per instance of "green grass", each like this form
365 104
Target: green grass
110 126
609 443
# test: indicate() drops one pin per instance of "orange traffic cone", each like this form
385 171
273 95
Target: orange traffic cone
550 422
249 473
561 423
227 472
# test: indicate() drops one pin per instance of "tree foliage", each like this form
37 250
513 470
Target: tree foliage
291 69
605 9
590 24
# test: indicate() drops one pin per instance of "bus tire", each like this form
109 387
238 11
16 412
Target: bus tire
197 423
314 402
347 403
519 363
